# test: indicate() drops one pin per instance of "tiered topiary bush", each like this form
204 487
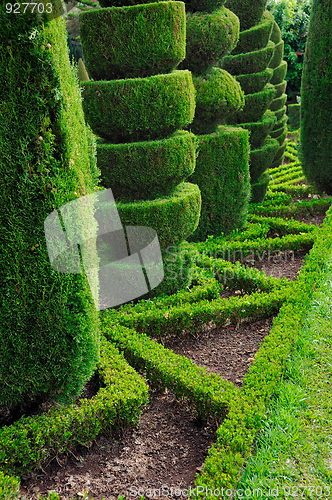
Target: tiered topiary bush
316 127
250 63
278 105
222 171
137 104
49 341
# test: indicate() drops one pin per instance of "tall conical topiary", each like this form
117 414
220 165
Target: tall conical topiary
49 342
137 104
316 106
255 64
222 171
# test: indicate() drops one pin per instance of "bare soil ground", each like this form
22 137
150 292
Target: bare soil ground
168 449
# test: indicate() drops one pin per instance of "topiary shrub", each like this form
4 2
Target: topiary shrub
280 113
148 169
278 55
210 36
256 105
261 159
248 11
254 82
117 109
258 190
316 131
261 129
191 5
250 62
218 96
276 33
255 38
279 73
294 115
280 88
157 40
49 341
222 174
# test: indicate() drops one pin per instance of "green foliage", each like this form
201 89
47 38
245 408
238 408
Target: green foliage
279 73
246 414
261 129
249 62
280 88
261 159
249 12
117 405
292 18
278 103
258 190
316 129
256 105
255 38
181 205
140 108
208 392
218 96
222 174
191 5
276 33
255 82
157 40
146 170
210 36
279 131
82 74
280 113
49 342
9 487
294 116
278 55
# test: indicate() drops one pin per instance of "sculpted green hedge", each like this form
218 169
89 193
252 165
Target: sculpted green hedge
157 40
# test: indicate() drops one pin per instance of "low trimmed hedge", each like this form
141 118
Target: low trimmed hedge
191 318
258 190
249 62
238 431
218 97
157 40
117 110
181 205
254 82
261 159
256 105
261 129
208 392
278 103
278 55
146 170
210 36
303 208
222 174
255 38
279 73
117 405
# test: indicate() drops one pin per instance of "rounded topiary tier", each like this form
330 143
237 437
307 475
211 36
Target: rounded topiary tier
256 64
222 170
136 105
279 67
